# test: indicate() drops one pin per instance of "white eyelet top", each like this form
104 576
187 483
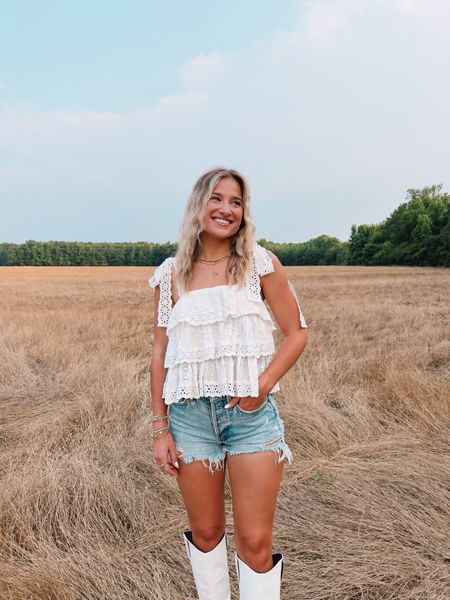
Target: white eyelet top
220 338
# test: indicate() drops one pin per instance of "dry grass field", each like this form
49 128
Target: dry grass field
364 510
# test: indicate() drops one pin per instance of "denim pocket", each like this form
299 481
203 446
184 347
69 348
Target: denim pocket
257 410
184 402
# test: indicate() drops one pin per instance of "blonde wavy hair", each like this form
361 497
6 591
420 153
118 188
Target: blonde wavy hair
189 243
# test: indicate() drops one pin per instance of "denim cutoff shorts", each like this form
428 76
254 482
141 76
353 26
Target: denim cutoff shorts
203 429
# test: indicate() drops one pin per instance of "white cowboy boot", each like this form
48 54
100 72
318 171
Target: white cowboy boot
259 586
210 569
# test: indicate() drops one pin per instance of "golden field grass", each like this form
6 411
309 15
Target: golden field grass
364 510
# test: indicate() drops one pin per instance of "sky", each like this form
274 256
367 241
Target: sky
110 111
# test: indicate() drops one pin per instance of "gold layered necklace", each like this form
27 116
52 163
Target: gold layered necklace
213 262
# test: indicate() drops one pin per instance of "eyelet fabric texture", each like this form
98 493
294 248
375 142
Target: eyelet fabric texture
220 338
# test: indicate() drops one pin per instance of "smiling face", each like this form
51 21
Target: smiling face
224 210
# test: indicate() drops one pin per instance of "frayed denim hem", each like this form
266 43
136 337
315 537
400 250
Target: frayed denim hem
278 446
214 464
280 449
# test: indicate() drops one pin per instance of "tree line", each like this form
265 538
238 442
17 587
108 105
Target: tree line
417 233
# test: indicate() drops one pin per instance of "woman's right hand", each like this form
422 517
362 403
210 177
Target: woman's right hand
164 451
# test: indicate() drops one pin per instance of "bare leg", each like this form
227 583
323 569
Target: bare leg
203 496
255 481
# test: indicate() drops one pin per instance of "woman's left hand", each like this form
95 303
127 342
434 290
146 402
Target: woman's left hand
250 402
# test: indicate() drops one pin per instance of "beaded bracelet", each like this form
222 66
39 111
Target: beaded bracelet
161 432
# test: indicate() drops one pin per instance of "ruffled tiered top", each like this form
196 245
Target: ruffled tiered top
220 338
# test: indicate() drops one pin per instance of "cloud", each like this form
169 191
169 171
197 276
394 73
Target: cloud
201 68
320 20
332 120
323 18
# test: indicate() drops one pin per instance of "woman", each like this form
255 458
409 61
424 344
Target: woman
215 372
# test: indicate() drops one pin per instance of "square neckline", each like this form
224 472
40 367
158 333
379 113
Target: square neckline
210 287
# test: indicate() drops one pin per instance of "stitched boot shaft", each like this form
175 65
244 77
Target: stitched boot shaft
210 569
259 586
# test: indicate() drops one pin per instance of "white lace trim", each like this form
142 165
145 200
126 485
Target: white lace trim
163 277
218 351
227 375
263 261
246 335
219 303
262 265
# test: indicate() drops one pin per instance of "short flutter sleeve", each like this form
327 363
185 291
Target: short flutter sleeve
264 266
163 277
261 265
